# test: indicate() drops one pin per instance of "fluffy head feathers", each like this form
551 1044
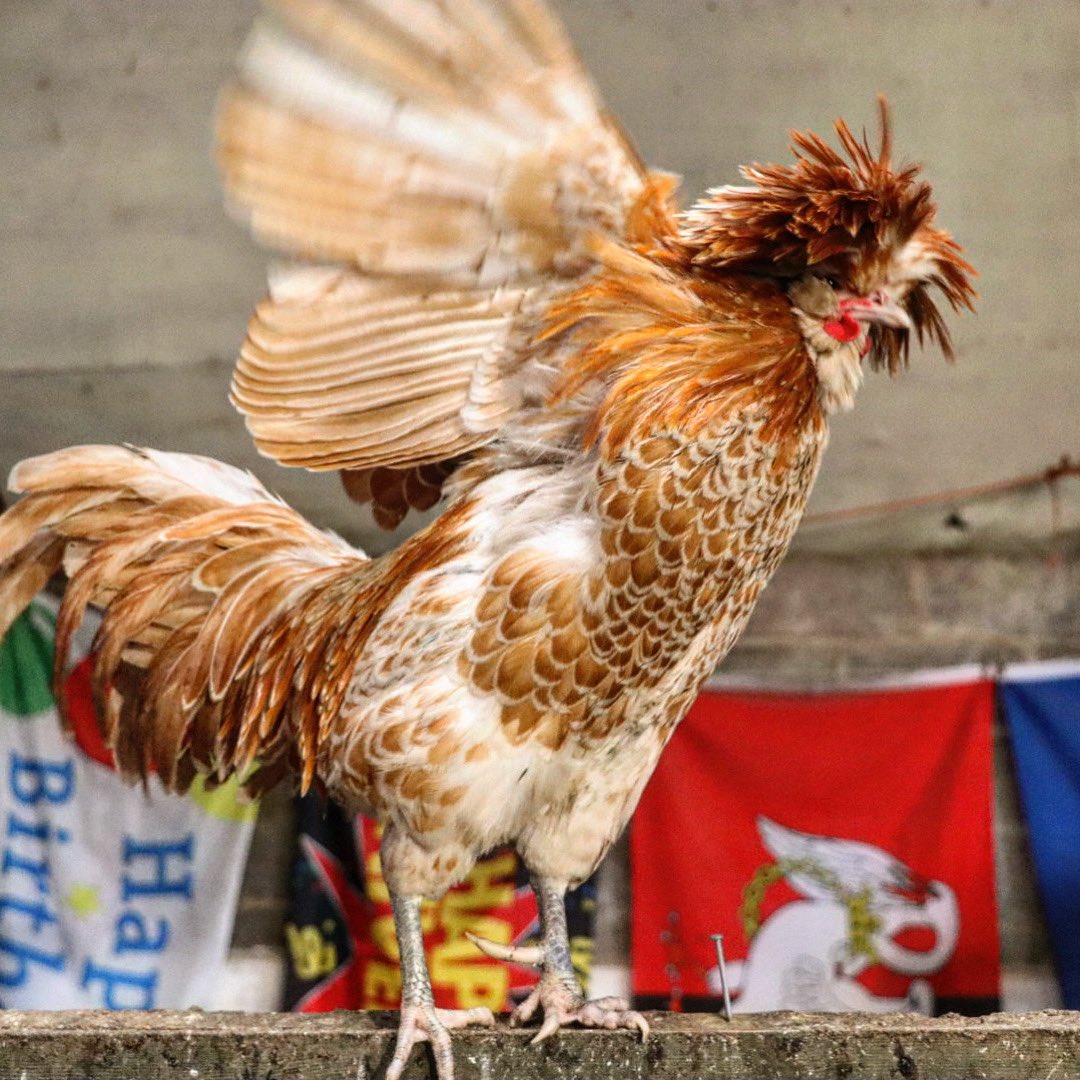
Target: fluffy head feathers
847 215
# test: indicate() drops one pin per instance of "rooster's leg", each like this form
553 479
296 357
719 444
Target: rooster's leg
558 993
420 1020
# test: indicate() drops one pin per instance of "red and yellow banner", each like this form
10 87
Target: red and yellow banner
341 939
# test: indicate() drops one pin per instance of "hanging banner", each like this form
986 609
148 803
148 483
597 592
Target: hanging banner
111 896
842 844
341 944
1042 712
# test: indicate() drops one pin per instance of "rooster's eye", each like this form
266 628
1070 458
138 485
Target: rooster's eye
831 281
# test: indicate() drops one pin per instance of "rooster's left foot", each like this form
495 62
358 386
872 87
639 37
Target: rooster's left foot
563 1005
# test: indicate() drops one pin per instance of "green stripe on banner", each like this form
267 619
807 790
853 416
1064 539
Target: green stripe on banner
226 801
26 663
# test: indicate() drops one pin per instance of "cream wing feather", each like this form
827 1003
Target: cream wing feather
432 171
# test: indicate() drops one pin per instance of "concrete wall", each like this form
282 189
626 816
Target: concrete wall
117 256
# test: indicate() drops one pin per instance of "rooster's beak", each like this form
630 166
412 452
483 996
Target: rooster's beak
880 309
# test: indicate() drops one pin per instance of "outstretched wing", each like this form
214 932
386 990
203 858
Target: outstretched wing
433 171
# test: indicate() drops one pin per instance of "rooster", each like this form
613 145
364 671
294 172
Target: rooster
489 300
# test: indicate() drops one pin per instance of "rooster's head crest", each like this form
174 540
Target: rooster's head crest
848 217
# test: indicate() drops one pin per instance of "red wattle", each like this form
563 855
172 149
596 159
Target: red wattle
844 328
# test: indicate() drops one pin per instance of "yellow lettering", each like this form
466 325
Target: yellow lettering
430 914
453 963
376 883
382 934
581 954
486 926
489 885
312 955
382 984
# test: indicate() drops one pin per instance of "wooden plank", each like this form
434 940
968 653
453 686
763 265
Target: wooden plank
344 1046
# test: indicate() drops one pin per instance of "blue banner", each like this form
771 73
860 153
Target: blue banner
1042 710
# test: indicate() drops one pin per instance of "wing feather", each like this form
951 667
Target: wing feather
433 170
369 376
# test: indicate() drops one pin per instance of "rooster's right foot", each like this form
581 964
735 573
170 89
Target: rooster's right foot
422 1022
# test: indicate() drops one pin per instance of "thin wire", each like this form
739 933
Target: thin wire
1050 476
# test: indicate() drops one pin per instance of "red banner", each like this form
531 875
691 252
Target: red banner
842 844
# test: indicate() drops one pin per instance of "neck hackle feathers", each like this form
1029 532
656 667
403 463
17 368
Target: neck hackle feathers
847 213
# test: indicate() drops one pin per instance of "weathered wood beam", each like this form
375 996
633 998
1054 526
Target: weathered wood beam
356 1046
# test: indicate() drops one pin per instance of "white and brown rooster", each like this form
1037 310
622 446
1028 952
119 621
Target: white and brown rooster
494 302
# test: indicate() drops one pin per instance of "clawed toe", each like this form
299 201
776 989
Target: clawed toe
609 1013
525 1011
612 1014
459 1018
423 1023
606 1005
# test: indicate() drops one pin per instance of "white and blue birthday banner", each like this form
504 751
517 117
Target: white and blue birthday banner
111 896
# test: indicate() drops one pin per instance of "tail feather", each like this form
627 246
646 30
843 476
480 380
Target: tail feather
162 698
155 476
27 518
30 569
222 607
